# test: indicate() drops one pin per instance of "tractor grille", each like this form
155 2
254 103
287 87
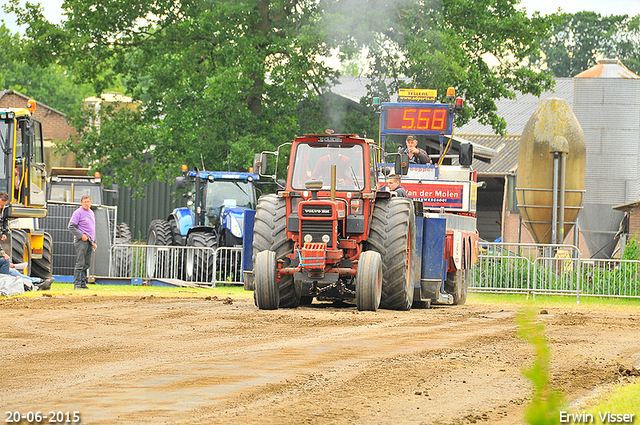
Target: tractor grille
317 229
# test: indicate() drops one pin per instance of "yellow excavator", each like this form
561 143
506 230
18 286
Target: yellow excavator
23 176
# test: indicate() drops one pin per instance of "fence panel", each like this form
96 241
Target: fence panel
199 265
526 268
552 269
611 278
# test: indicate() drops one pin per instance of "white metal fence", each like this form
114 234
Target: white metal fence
198 265
552 269
501 267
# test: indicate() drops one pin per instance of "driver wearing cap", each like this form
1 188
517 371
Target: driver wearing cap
416 155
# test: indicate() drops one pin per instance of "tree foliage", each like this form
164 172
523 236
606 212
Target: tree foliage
578 40
480 47
50 84
219 80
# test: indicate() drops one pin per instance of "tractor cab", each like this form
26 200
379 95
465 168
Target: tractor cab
68 184
313 161
216 200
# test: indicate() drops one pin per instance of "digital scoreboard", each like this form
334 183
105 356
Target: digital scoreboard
417 118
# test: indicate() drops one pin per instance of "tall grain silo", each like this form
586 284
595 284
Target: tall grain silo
551 171
607 103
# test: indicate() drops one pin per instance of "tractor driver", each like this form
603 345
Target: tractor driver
322 170
416 155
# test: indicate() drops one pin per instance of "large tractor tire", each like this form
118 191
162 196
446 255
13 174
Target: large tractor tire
157 259
269 234
123 233
457 284
178 239
21 249
123 255
43 267
392 234
265 279
369 281
198 265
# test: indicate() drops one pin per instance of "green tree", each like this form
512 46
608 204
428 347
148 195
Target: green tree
48 84
438 44
221 79
578 40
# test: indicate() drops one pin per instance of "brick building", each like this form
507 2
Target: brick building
630 226
54 124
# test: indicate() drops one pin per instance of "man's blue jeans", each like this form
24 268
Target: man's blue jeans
5 268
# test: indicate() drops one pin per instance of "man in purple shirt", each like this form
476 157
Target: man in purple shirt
83 228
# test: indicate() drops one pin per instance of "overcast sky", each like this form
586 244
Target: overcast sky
604 7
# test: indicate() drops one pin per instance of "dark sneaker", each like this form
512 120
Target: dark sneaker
45 285
80 287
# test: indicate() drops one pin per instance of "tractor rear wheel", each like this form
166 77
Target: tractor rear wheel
369 281
199 262
270 234
392 234
43 267
157 260
457 284
21 249
265 279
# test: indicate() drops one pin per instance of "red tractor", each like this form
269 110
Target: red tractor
332 233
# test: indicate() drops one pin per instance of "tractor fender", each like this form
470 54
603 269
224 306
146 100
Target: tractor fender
184 219
201 229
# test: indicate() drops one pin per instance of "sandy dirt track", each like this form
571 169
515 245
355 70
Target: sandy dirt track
204 360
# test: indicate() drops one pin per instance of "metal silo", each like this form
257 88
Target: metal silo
607 103
551 171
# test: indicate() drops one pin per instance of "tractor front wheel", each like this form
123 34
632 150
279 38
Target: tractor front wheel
199 262
369 281
392 234
265 279
270 233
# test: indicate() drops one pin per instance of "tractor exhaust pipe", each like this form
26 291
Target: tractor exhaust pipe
333 182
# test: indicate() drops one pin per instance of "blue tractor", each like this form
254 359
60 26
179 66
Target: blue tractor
214 217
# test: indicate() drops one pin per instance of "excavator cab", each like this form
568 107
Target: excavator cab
22 172
23 176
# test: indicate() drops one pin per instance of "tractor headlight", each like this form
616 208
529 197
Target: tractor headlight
236 229
308 238
326 238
